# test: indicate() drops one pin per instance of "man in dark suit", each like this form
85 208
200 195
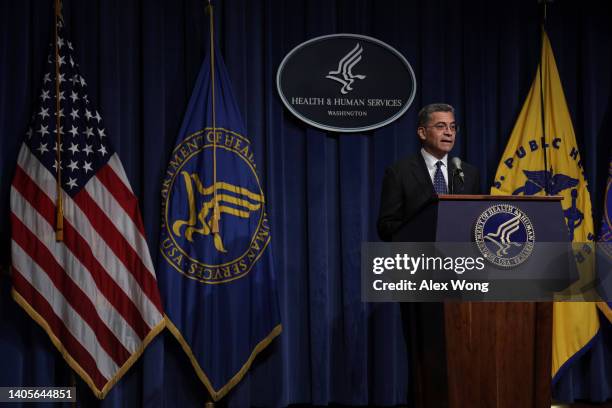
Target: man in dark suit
413 182
409 185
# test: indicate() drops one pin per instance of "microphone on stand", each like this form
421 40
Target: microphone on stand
457 171
457 163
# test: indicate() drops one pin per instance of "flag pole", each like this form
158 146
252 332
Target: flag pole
542 105
216 213
59 214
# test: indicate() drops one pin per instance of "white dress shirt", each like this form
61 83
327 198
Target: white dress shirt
430 162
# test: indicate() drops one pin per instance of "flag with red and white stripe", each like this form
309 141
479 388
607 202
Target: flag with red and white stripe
95 293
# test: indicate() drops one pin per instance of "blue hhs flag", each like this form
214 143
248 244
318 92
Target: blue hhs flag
604 252
218 288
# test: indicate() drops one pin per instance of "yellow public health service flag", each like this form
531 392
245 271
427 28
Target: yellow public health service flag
544 127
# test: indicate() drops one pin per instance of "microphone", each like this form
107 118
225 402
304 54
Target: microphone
457 163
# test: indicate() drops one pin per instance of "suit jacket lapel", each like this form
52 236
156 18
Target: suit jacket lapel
420 171
451 167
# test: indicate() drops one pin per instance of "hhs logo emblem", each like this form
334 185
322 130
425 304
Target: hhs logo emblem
189 242
504 235
344 73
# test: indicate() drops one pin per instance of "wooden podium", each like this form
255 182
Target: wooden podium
472 354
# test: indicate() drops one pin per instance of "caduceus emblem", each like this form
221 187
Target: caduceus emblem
233 200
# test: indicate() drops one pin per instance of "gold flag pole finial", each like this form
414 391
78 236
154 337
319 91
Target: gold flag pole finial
542 97
216 213
544 4
59 214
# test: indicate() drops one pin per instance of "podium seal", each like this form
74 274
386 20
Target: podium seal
504 235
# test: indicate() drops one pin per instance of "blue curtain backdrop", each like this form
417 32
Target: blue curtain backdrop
141 58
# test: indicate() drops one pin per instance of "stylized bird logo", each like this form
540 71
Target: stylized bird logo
344 73
536 181
501 237
234 200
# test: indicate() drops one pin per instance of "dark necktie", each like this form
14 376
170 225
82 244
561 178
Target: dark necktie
439 182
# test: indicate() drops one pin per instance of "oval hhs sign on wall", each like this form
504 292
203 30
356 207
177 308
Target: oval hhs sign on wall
346 83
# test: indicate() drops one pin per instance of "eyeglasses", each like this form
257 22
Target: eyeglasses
441 127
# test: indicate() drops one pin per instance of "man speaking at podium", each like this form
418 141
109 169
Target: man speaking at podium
412 183
408 186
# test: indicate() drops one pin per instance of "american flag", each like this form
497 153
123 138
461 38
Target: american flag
95 293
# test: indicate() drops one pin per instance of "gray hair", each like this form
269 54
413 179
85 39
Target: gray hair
426 111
